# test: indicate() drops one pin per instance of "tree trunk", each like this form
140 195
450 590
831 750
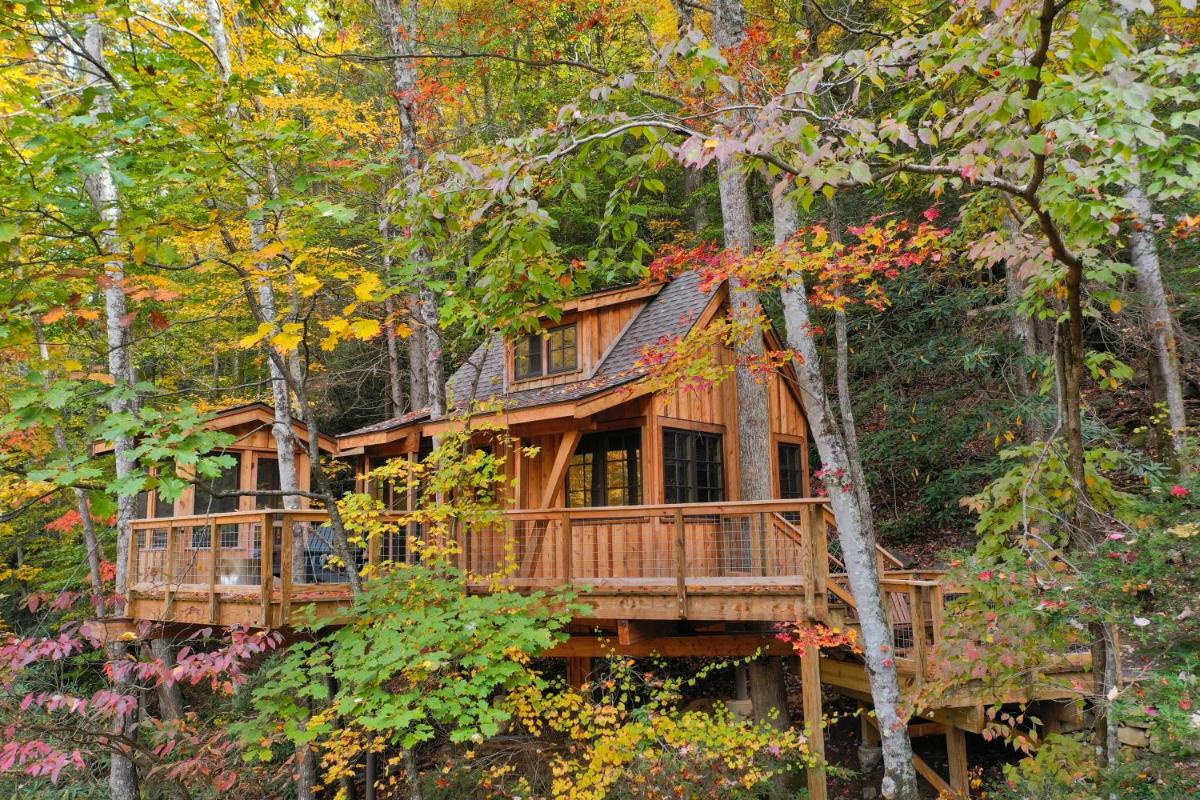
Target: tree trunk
398 24
1144 254
1025 330
858 544
395 384
106 199
418 363
170 696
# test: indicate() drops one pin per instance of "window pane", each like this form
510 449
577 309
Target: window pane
791 475
529 356
228 481
605 470
692 467
268 481
562 349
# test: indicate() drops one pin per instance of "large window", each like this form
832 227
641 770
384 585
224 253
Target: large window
549 353
606 470
693 467
791 471
228 481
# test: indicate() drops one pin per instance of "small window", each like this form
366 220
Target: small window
561 350
201 537
606 470
791 471
268 481
229 537
550 353
141 505
693 467
528 362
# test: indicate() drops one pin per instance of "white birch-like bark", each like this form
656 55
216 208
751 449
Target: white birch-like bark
857 542
106 200
281 428
1143 251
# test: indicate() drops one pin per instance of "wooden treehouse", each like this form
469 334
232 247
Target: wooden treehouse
632 495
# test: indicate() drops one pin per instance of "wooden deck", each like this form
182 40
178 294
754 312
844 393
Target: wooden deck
671 580
717 567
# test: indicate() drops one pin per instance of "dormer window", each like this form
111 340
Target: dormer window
550 353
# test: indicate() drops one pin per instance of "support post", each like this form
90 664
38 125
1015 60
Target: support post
916 601
820 563
286 547
956 752
680 564
214 563
564 531
578 670
172 568
810 675
266 550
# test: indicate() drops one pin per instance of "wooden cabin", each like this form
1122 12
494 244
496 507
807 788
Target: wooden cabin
628 493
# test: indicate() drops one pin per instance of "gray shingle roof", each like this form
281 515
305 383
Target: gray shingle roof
667 315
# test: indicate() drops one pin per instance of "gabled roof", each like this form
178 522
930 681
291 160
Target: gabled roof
257 413
671 312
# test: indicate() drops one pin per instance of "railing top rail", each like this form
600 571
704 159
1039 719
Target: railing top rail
689 509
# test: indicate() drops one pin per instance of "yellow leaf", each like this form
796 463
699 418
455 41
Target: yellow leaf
365 328
254 338
289 336
1115 305
270 251
711 144
368 284
139 253
307 284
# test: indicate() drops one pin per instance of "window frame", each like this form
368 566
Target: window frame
686 463
540 344
789 474
597 449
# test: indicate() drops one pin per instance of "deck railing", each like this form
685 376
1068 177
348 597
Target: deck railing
686 560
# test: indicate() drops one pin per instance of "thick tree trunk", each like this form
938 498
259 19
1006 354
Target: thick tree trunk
106 199
1144 254
857 542
170 696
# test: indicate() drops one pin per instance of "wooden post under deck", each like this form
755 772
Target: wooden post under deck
956 752
680 564
810 674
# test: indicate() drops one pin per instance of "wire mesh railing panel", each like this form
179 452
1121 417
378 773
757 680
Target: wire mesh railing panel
193 564
152 556
240 562
314 557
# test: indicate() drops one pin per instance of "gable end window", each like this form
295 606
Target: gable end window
551 352
693 467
